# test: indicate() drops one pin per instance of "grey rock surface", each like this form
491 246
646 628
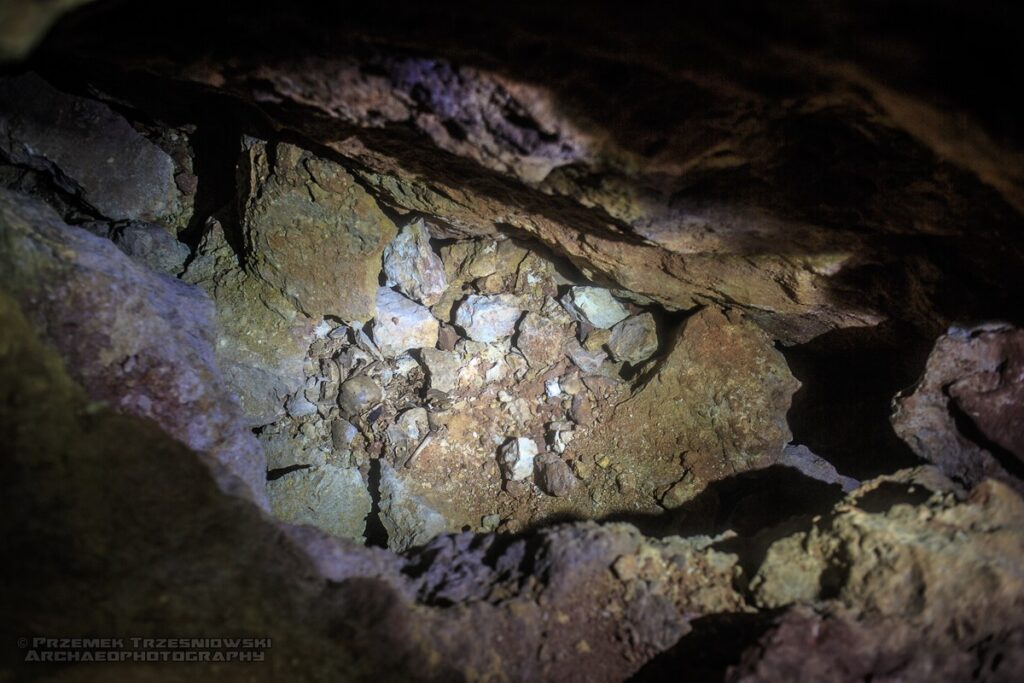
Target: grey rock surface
138 340
634 339
333 499
358 395
90 150
411 265
408 520
594 305
516 458
442 368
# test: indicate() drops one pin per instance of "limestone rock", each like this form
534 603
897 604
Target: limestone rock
442 368
402 324
262 340
553 475
595 306
407 431
634 340
138 340
541 340
407 518
469 260
311 231
285 451
358 394
412 266
488 318
332 499
89 149
966 414
147 243
516 458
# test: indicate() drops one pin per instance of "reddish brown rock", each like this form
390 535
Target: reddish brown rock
966 414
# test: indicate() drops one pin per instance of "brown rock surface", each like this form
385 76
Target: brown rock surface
966 414
311 231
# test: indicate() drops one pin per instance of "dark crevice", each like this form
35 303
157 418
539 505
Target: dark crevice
376 534
279 472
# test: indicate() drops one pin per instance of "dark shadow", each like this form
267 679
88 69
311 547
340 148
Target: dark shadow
881 499
704 654
275 474
849 378
376 534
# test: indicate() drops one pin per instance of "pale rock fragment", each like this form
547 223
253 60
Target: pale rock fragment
594 305
333 499
412 266
516 458
488 318
402 324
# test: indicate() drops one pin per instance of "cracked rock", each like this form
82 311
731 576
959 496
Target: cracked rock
488 318
412 266
402 324
541 340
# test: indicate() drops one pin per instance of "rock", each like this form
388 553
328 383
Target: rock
634 340
285 451
330 498
552 388
488 318
596 338
541 340
489 523
262 340
469 260
966 414
407 518
553 475
402 324
412 266
147 243
89 150
359 394
299 406
814 466
311 231
595 306
516 458
442 368
587 361
23 23
720 395
582 410
140 341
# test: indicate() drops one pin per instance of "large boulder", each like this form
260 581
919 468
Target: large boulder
311 231
88 149
141 341
966 413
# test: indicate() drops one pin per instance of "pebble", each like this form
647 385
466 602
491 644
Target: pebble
516 458
552 388
587 361
553 475
442 369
